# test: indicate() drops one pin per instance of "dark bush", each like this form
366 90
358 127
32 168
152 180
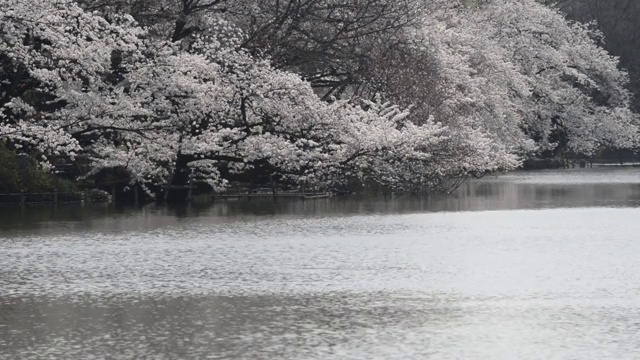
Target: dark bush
21 173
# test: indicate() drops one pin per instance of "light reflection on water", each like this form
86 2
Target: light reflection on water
519 266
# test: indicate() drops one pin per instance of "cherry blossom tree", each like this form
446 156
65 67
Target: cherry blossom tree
577 98
459 91
127 100
56 66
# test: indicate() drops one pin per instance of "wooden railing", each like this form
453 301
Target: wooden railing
39 198
268 192
26 198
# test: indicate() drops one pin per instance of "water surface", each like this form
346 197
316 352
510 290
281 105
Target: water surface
526 265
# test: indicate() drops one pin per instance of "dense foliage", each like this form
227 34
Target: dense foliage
618 21
414 95
22 174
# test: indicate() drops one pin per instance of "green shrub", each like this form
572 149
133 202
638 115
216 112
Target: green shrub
17 175
97 196
9 171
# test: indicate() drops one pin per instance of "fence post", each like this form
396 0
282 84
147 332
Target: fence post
167 188
23 198
272 184
190 190
55 196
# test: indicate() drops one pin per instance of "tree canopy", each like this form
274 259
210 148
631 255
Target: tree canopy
411 94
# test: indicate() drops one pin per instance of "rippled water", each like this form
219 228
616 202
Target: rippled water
523 266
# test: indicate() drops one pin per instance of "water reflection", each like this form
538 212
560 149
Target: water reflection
366 326
234 327
551 271
520 190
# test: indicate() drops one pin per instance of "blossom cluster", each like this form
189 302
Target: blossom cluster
509 77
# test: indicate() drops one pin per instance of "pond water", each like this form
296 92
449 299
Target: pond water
529 265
